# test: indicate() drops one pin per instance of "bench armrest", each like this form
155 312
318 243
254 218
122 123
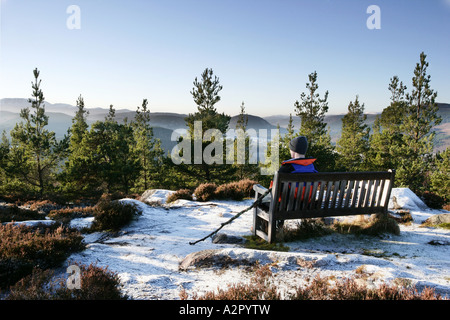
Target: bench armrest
259 189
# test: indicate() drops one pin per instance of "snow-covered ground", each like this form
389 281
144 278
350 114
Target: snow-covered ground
146 254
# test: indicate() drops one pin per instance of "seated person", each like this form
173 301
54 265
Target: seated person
297 164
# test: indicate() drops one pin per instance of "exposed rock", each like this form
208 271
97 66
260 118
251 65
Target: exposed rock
153 196
209 258
438 219
223 238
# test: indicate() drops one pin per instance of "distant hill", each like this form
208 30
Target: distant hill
60 119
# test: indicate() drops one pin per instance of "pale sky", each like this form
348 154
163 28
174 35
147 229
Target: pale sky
121 52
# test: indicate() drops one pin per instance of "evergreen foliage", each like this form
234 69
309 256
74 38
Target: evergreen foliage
421 115
354 142
206 95
440 176
312 110
387 138
34 152
147 149
243 159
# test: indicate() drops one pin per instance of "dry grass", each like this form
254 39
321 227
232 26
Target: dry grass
375 225
311 228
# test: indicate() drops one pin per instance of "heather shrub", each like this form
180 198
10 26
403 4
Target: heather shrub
348 289
180 194
117 195
64 215
41 205
15 213
96 284
246 186
261 287
205 191
22 248
113 215
229 191
433 200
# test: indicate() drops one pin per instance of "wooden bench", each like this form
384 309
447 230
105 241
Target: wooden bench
325 194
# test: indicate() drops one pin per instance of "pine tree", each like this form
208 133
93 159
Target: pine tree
206 95
243 149
111 151
74 176
79 125
34 147
312 110
354 142
284 152
387 139
147 149
420 117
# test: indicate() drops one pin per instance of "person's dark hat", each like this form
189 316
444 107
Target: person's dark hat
299 145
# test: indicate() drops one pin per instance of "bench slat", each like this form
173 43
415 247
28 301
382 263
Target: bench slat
314 195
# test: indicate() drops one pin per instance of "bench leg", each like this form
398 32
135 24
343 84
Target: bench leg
272 229
255 217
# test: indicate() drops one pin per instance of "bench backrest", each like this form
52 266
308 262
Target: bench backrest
308 195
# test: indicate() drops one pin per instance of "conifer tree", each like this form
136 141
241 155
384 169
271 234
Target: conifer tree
420 117
387 138
147 149
34 147
74 177
243 149
79 125
111 151
353 144
206 95
312 110
284 152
